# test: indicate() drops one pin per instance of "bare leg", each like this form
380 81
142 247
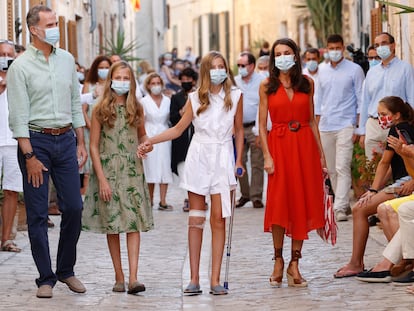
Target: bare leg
360 214
389 220
293 268
383 265
7 214
218 236
195 235
163 193
151 187
133 244
278 235
115 251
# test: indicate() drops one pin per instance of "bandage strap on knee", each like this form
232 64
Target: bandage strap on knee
196 218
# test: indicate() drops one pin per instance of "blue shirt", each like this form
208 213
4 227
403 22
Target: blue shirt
43 92
338 96
395 79
251 97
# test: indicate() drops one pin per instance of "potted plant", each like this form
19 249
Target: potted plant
363 169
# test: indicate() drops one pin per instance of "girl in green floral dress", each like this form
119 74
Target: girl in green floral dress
117 199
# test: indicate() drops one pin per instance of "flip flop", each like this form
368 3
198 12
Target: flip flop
192 289
10 246
218 290
345 273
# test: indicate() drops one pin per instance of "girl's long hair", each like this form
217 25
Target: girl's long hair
395 104
299 83
205 82
105 109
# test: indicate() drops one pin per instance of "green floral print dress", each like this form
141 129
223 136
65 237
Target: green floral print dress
130 209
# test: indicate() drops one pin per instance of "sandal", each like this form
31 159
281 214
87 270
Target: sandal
218 290
136 287
165 207
193 289
119 287
10 246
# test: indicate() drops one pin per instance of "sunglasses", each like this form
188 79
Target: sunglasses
374 57
242 65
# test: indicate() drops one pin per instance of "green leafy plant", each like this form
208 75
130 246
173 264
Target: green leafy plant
120 47
404 8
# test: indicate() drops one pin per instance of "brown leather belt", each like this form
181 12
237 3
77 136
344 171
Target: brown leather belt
50 131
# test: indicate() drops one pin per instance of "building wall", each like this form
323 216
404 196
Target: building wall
242 25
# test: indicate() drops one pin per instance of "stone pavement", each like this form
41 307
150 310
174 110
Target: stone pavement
164 268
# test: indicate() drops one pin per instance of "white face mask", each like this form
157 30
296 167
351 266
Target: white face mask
383 51
264 72
284 62
243 72
103 73
335 55
168 63
4 62
80 75
156 89
121 87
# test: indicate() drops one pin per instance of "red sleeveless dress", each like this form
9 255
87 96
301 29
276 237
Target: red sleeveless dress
295 189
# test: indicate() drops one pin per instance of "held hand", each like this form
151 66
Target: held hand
35 170
105 191
406 188
395 143
365 198
143 149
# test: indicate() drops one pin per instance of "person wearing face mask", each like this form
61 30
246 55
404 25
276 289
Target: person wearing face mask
117 126
293 159
93 87
262 65
158 164
171 82
10 175
216 111
179 146
311 58
46 118
392 77
372 56
394 115
248 80
338 99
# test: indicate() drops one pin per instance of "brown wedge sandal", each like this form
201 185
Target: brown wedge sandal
296 254
276 280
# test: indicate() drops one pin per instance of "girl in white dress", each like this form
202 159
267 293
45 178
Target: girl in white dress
157 166
216 111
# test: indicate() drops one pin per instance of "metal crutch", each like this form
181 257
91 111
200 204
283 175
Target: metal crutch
228 249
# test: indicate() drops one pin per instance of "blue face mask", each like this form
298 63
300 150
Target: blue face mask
120 87
383 51
103 73
312 65
264 72
243 72
284 62
374 62
52 35
217 76
335 55
80 75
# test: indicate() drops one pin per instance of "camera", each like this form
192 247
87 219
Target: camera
5 63
358 57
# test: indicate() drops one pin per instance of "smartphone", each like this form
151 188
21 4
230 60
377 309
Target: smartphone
405 136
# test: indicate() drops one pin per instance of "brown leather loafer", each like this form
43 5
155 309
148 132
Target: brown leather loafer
44 291
74 284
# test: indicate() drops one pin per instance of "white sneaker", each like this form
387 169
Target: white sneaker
341 215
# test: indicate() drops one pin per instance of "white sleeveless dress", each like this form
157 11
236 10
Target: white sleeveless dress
157 165
209 165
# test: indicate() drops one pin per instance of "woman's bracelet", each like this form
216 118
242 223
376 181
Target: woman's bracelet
373 190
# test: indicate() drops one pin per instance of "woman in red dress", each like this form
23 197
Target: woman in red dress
293 158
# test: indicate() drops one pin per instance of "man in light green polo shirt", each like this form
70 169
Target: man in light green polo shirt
46 119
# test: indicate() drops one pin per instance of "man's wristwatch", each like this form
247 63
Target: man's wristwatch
29 155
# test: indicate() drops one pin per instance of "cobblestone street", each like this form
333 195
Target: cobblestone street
164 269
